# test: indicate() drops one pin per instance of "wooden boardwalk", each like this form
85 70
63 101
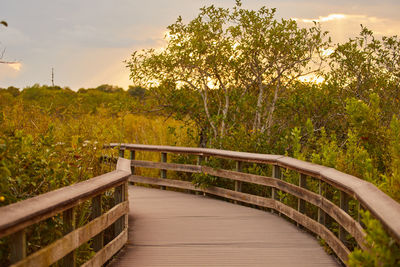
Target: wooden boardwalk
175 229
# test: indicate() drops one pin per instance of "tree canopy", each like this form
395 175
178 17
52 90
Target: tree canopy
238 62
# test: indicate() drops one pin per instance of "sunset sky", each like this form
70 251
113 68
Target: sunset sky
86 41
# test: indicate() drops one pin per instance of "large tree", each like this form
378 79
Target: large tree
236 62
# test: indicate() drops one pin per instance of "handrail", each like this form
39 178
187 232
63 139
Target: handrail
16 217
385 209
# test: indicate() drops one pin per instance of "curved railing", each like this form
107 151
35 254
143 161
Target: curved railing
15 218
367 196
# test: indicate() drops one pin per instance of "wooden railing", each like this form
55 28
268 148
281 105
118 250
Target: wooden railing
366 195
15 218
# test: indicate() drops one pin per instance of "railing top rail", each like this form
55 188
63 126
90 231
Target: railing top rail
17 216
378 203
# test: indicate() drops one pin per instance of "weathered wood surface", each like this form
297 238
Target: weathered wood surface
174 229
337 246
19 215
108 251
344 219
167 166
378 203
73 240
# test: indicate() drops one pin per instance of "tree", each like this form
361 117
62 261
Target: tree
239 62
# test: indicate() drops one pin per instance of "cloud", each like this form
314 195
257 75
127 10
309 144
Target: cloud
9 72
323 19
16 66
343 26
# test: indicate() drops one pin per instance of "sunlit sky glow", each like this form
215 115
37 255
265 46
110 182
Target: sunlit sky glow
87 41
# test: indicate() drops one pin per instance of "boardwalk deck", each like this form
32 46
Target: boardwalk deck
174 229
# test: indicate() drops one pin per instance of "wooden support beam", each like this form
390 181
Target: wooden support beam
276 173
301 204
69 226
200 160
122 152
98 240
344 205
118 198
126 198
18 246
238 184
321 213
132 157
163 172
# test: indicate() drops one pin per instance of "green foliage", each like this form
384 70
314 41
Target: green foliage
226 69
236 75
52 137
381 249
229 78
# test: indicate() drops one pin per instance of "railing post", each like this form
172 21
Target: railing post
122 152
301 204
18 246
69 226
276 173
98 240
321 213
238 184
344 205
118 198
163 173
200 160
132 157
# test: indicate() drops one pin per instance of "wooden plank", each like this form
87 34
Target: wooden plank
334 243
381 206
344 205
321 213
108 251
330 238
337 246
132 158
238 184
68 227
352 226
164 182
190 230
98 240
243 156
163 172
301 204
18 246
167 166
122 152
73 240
276 173
20 215
118 198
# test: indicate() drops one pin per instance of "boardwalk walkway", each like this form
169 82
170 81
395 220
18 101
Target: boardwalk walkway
175 229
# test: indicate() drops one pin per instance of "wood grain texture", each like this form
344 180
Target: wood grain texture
175 229
344 219
108 251
19 215
167 166
337 246
73 240
379 204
